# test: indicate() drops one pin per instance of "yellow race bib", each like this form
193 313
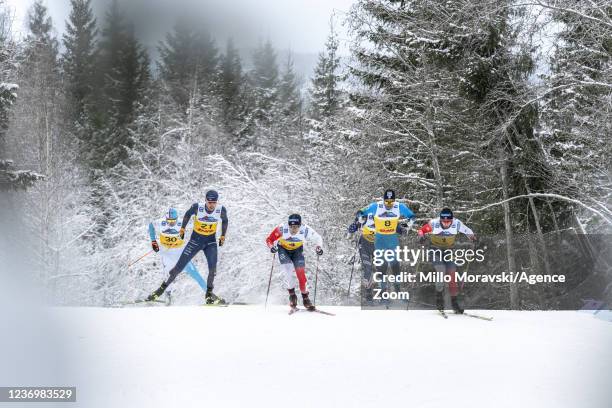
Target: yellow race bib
170 241
443 241
290 245
385 226
205 227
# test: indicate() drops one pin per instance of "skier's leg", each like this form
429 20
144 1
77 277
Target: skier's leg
210 251
189 252
191 269
300 269
366 250
395 269
169 258
299 263
286 266
439 266
451 269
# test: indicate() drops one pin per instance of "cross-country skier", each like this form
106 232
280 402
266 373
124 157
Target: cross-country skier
170 245
386 215
366 249
208 216
442 232
288 240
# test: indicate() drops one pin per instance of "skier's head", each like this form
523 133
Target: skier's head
171 216
211 199
389 198
294 221
446 217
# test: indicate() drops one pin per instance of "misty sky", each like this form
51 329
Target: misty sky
301 25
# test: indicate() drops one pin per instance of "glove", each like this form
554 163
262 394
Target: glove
155 246
402 228
182 233
222 240
319 250
273 249
353 228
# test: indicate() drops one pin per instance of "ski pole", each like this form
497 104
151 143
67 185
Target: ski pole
132 263
348 293
314 301
270 280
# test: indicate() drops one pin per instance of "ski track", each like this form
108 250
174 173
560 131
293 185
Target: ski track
247 356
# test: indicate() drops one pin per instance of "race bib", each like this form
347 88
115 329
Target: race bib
170 241
205 227
385 226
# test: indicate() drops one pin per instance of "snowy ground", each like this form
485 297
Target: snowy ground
243 356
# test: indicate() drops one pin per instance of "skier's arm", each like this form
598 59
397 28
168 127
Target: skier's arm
314 237
360 219
405 212
464 229
224 221
152 233
425 229
273 237
153 236
370 209
188 214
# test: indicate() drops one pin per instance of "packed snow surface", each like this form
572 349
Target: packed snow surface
246 356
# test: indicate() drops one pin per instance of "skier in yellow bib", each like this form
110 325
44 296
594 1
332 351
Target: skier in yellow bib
208 216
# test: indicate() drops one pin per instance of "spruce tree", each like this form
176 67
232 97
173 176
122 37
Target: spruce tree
123 72
264 79
289 93
231 89
188 62
325 94
79 58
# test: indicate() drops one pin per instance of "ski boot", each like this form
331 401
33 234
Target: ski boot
440 301
212 299
456 306
292 299
155 295
307 303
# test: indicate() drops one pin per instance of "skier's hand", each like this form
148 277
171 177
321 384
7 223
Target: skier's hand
319 250
221 240
182 233
353 228
273 249
472 237
155 246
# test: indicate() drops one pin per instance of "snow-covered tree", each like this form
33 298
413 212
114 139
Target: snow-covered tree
188 62
264 80
289 92
232 90
79 58
576 104
325 92
124 78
